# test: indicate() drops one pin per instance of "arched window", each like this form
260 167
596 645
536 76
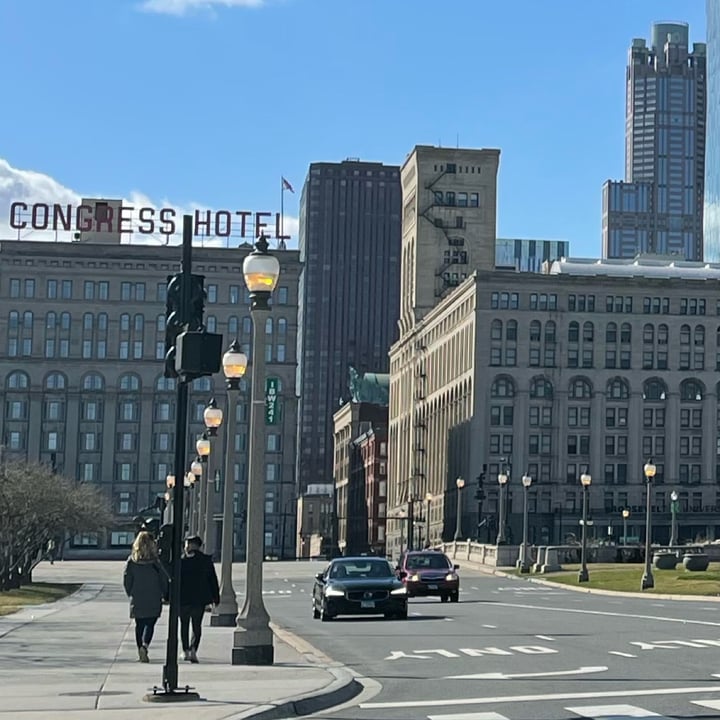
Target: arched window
611 333
625 333
502 387
580 389
202 384
54 381
93 381
662 335
282 326
27 319
691 391
233 325
699 337
535 331
617 389
541 388
654 390
648 334
139 323
65 321
268 326
685 335
88 321
211 323
588 332
246 325
125 322
550 332
129 382
17 380
13 319
573 332
50 321
496 330
163 384
160 323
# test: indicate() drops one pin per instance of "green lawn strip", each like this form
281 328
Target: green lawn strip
626 578
34 594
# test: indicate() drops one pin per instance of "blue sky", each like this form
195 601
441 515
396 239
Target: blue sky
209 103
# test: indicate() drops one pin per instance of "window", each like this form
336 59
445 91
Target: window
502 387
212 293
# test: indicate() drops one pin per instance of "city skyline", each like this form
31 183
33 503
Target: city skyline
206 157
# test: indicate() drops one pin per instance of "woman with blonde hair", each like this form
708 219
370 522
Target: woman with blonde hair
146 584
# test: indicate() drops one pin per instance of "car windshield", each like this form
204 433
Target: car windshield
427 561
360 569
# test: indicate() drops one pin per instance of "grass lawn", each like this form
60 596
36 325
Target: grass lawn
626 577
34 594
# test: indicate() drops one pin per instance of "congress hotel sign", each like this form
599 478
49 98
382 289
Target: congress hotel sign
143 220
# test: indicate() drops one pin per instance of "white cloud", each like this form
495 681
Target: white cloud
32 187
181 7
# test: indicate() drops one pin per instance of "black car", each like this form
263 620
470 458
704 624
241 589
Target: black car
359 586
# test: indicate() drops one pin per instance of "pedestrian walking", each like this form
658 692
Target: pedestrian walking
198 589
146 584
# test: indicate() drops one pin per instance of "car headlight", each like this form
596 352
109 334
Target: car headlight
451 576
399 591
415 578
333 592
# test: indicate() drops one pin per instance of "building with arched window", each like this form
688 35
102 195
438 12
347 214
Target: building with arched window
81 374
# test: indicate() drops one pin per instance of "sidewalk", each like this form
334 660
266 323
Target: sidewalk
76 659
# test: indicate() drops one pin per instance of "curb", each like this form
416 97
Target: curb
489 570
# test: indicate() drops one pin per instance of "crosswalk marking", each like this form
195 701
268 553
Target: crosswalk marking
614 712
712 704
470 716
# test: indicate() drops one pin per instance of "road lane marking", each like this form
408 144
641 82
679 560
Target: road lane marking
616 712
545 637
539 698
490 627
621 654
712 704
470 716
513 676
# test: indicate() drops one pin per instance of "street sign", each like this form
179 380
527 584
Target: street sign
272 404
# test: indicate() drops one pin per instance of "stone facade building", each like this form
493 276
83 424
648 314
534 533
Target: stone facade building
81 375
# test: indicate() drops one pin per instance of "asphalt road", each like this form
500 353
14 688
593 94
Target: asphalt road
512 649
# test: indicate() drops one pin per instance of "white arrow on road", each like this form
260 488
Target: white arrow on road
505 676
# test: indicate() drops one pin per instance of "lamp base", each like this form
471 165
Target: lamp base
223 619
583 575
648 582
253 655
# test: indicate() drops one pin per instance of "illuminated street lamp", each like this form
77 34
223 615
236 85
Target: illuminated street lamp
523 560
585 481
648 581
502 481
460 484
253 638
213 418
625 516
674 511
225 614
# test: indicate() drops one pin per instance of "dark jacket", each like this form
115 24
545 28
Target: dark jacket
146 584
198 581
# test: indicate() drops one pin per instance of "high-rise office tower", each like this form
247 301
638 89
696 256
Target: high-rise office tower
711 228
658 208
349 295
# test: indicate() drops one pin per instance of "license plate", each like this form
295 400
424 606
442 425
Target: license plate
432 587
367 603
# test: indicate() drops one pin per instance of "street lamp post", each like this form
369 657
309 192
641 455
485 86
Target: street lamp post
428 500
585 481
625 516
234 366
213 417
524 561
190 516
196 469
460 484
673 524
648 581
502 481
203 448
253 639
169 509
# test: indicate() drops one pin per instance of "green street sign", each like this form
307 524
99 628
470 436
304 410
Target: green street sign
272 401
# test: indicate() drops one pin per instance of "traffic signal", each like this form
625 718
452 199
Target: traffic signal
179 318
480 493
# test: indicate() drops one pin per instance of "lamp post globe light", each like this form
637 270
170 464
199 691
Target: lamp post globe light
585 481
459 484
253 639
502 481
213 418
524 561
674 511
625 516
225 614
203 449
648 581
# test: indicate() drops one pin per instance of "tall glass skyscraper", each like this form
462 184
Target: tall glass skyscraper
712 153
658 208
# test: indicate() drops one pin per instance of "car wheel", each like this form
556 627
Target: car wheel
316 612
402 615
389 616
444 598
324 617
455 597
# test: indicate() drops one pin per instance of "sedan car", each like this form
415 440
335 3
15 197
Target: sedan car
428 572
359 586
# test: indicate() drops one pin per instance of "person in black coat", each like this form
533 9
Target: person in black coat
146 584
198 588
